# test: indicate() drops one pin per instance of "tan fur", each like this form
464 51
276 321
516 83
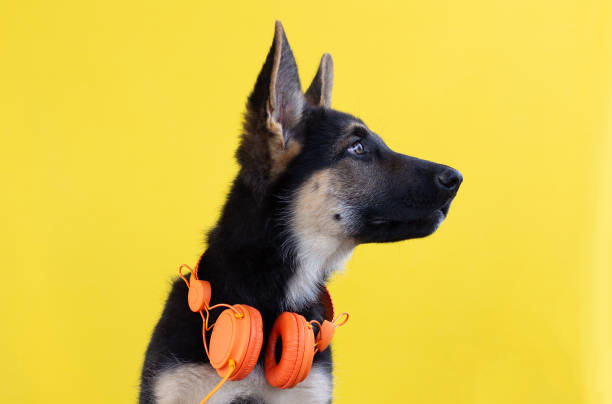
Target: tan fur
281 157
320 242
278 51
325 81
323 68
319 92
280 154
316 204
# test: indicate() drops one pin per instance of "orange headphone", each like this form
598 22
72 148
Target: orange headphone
237 336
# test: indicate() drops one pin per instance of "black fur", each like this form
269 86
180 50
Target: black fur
391 197
244 264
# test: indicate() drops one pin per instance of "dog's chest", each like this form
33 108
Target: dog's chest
189 383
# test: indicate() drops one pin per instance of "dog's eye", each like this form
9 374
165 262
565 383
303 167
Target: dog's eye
356 148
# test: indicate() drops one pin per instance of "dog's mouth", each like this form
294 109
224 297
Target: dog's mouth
438 214
380 228
444 209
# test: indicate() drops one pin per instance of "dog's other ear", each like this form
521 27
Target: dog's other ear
277 101
272 135
320 90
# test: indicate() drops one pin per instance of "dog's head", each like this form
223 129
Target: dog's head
335 178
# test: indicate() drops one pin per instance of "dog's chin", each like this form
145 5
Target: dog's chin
383 230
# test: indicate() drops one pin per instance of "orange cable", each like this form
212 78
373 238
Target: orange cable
232 366
316 322
239 314
338 318
205 321
183 276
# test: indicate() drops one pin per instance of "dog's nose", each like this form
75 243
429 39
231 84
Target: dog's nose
449 179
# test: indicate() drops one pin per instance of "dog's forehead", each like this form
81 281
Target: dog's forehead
347 122
353 125
337 122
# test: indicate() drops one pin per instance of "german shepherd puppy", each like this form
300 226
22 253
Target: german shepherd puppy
313 184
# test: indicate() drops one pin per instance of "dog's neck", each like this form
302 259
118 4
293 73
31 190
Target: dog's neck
264 277
315 259
252 259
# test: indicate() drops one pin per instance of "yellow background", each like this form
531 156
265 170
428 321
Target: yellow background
119 121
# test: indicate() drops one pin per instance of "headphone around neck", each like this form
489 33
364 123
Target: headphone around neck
237 337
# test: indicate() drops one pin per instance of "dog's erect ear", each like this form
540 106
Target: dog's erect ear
272 131
277 101
320 90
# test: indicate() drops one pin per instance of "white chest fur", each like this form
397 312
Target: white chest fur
189 383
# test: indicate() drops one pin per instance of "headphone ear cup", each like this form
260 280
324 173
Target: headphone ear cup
198 296
309 353
297 340
325 335
254 346
238 338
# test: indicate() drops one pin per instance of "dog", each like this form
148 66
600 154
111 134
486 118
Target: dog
313 184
